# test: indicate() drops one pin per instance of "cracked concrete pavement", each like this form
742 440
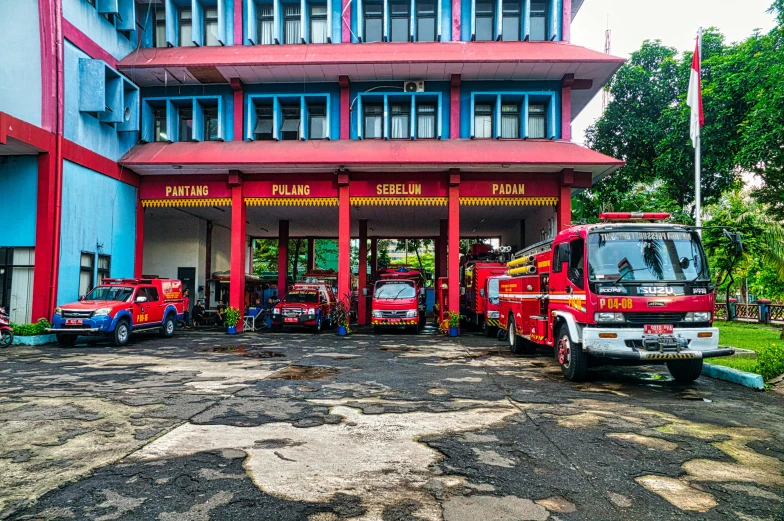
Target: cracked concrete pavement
391 428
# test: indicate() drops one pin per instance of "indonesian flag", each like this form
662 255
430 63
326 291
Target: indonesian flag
694 99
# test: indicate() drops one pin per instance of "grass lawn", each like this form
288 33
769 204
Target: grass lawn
744 336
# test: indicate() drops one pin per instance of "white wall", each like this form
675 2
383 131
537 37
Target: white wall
543 218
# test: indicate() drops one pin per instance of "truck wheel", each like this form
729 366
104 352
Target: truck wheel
317 327
121 333
66 340
685 371
570 355
502 334
167 329
515 343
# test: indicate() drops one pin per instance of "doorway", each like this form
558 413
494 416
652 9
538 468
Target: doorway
188 278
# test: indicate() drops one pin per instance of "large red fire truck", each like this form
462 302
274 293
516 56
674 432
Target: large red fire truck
476 267
398 299
630 288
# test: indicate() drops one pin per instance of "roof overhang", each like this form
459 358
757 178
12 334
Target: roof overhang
435 61
252 157
576 5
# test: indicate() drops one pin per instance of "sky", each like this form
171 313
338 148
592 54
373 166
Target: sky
674 22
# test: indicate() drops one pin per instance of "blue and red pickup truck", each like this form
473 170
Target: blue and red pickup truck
118 307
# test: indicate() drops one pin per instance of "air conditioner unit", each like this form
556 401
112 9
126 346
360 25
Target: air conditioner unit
414 86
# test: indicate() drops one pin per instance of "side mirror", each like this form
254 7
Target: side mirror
685 263
736 240
481 292
140 300
364 292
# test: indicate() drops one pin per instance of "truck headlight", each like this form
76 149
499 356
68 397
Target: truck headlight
492 314
697 316
603 316
377 313
58 311
312 311
276 311
411 313
102 312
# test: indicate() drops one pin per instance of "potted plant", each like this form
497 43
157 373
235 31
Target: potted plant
341 316
454 322
232 319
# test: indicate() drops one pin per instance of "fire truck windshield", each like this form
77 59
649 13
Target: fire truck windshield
302 297
646 256
110 293
492 289
395 290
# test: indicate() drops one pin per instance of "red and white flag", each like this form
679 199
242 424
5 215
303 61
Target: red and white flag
694 99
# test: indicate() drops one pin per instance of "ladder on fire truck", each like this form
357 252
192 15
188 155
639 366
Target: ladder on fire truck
534 249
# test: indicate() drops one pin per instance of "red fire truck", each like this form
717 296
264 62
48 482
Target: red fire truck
305 304
631 288
476 267
398 299
492 303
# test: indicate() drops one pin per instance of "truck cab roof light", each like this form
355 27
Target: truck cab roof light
634 216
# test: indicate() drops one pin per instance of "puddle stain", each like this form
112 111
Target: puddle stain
248 351
304 372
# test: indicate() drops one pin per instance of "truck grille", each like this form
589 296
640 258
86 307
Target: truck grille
66 313
387 313
654 318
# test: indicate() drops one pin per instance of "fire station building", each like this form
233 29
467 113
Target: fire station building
160 137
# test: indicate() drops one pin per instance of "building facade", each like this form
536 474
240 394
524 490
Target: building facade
161 137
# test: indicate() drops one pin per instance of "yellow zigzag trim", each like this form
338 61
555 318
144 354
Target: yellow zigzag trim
291 201
161 203
398 201
508 201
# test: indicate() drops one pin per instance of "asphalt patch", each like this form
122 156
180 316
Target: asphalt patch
305 372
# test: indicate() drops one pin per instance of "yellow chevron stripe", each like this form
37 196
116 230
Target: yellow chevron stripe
493 322
398 201
508 201
667 356
291 201
167 203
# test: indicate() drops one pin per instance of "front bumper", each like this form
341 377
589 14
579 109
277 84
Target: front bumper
629 344
300 320
394 322
92 325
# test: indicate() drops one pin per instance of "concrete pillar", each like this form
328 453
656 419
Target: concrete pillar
344 240
566 106
283 258
311 253
456 20
454 106
362 304
453 264
46 265
207 263
564 208
239 103
345 105
238 243
566 27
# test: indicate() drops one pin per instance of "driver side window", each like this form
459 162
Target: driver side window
577 263
560 255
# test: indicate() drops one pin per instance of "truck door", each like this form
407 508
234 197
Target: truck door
140 307
156 305
560 266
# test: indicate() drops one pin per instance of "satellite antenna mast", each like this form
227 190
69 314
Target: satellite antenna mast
607 48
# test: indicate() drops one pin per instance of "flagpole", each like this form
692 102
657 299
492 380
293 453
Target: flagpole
698 155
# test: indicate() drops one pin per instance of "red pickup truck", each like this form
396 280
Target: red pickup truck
305 305
117 307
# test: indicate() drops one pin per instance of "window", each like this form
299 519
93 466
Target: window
537 121
400 124
510 29
576 263
159 116
263 130
560 255
16 282
185 116
483 121
289 129
426 121
152 294
485 21
265 24
291 24
374 121
400 29
510 121
374 21
319 30
211 26
104 267
426 22
186 28
159 34
538 21
86 273
211 127
317 122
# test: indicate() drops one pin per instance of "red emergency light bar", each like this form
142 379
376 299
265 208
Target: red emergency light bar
634 216
126 281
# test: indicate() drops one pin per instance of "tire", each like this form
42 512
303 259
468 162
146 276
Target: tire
121 333
502 334
317 327
574 362
168 327
66 340
6 339
685 371
515 342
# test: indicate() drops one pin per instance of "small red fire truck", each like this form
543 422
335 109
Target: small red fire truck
398 299
476 267
631 288
117 307
305 304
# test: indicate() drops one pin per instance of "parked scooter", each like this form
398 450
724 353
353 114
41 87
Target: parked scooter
6 333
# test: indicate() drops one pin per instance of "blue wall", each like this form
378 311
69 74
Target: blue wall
83 128
19 189
96 209
86 18
20 60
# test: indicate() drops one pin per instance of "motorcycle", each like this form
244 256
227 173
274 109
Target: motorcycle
6 333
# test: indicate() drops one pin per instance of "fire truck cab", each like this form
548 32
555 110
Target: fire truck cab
398 299
492 303
630 288
482 262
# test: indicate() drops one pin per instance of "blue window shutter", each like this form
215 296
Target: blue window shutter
524 118
147 24
148 123
304 25
328 130
172 20
126 20
412 116
329 25
385 23
439 117
551 117
439 14
92 85
223 22
198 120
172 122
472 117
113 110
386 120
360 22
360 118
497 117
250 122
499 18
277 118
473 20
221 119
277 21
130 121
526 20
107 6
250 22
303 119
197 23
553 34
412 20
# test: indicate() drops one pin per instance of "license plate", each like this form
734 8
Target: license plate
394 320
658 329
291 319
73 322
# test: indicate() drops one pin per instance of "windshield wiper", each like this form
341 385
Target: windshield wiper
399 292
619 279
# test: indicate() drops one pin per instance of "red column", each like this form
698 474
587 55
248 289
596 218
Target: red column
456 20
239 105
238 243
138 265
345 27
208 263
283 258
566 107
566 26
373 257
238 22
45 263
454 241
564 209
362 309
454 107
442 243
345 107
311 253
344 240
